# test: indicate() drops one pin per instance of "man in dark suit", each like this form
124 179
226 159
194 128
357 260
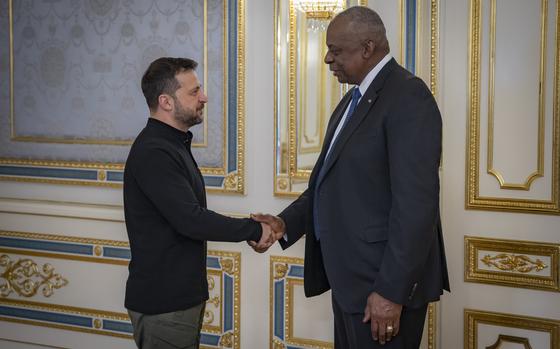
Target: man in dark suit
372 207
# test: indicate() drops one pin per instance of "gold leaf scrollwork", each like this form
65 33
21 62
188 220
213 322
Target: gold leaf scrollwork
280 270
227 340
231 181
211 283
208 317
283 184
514 263
214 300
227 265
25 279
278 344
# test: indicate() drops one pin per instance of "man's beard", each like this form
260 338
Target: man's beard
186 116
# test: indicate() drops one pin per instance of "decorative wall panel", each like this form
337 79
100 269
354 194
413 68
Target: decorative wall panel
524 264
286 274
72 104
484 330
514 118
221 321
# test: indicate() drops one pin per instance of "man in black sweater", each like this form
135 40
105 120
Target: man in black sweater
166 217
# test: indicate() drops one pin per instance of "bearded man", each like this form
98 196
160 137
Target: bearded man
166 217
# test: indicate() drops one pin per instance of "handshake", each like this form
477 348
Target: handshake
273 229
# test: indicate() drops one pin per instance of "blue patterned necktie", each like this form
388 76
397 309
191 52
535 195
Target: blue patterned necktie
356 95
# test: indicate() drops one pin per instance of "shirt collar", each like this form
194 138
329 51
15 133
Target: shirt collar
170 131
373 73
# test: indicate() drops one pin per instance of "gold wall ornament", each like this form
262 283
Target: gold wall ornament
98 250
276 344
211 283
101 175
208 317
227 340
513 262
25 279
227 265
231 181
280 270
282 184
97 323
214 300
502 338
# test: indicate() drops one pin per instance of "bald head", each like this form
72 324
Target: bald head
362 24
356 43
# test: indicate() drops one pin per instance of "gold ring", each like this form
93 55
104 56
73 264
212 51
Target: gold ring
389 328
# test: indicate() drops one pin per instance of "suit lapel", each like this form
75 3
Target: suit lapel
362 110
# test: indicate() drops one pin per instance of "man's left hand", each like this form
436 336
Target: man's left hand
384 316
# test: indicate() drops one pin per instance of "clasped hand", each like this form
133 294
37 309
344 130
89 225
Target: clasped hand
273 229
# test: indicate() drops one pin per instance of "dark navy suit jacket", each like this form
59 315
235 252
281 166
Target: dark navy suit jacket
378 201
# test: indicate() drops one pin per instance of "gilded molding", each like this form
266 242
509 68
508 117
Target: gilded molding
434 45
473 318
66 164
474 200
502 338
97 247
516 263
25 279
539 171
432 325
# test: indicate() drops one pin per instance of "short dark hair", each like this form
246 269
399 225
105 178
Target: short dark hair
160 78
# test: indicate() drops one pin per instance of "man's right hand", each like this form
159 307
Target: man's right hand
273 228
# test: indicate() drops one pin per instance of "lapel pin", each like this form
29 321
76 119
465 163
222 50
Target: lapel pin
369 100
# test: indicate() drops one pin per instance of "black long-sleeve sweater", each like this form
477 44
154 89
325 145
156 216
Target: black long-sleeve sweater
168 223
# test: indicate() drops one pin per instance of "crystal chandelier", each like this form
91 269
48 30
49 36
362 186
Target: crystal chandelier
319 12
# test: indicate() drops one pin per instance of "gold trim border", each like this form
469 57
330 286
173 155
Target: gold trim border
472 318
473 199
61 255
512 279
539 172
